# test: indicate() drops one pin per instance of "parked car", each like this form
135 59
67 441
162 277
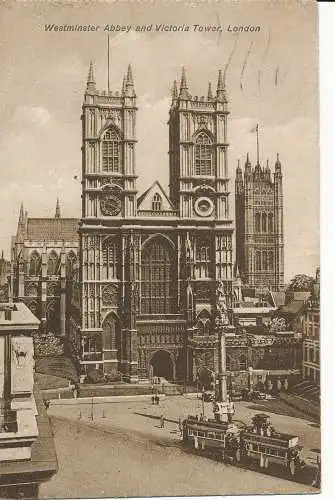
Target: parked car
258 395
236 396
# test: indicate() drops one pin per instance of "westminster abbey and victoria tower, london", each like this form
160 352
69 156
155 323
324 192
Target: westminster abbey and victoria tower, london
145 269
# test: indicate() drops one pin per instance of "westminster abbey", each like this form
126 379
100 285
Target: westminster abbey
141 297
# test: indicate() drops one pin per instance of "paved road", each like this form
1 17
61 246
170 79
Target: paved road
121 453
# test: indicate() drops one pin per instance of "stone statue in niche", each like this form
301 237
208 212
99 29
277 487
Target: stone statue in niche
221 306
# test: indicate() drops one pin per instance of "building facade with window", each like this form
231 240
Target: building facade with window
150 264
311 335
259 225
43 261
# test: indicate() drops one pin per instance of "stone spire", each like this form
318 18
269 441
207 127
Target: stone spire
21 216
220 90
90 78
183 92
57 213
210 93
129 83
175 90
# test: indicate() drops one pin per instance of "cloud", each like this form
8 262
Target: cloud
31 114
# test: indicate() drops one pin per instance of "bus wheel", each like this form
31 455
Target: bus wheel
292 467
238 456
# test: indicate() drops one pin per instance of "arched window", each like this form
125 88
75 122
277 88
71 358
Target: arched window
110 259
258 223
228 363
111 333
52 263
270 260
258 261
34 264
203 323
265 261
270 223
111 151
202 258
242 362
157 202
71 260
203 155
264 224
156 292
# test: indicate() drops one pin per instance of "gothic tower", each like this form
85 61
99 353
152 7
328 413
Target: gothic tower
259 225
109 198
199 189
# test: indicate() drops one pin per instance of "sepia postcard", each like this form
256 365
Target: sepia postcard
159 274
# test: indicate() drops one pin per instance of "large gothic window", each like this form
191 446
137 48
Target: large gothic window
203 155
270 223
34 264
52 263
157 202
258 223
110 259
264 223
270 260
156 292
111 151
111 333
202 258
258 261
242 362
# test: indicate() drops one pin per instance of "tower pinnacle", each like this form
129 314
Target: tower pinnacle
57 212
210 93
183 85
129 90
174 90
90 78
220 90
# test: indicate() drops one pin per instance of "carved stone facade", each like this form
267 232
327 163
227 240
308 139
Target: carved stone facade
150 264
43 263
259 225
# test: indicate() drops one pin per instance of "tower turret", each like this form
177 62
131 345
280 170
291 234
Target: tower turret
57 212
183 92
209 93
90 79
220 90
129 83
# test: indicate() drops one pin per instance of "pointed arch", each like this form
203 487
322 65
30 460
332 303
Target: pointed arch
258 222
52 263
111 150
203 153
242 362
204 322
111 333
156 277
34 264
264 223
111 258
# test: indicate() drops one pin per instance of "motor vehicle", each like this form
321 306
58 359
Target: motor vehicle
257 395
208 396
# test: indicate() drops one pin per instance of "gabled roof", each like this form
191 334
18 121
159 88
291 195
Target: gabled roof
144 202
55 229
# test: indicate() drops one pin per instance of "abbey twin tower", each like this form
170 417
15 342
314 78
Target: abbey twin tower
136 286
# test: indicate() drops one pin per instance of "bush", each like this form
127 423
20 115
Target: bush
94 377
47 345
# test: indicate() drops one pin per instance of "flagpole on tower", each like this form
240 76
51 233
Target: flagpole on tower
108 82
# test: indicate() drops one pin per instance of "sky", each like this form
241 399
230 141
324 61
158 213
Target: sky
271 80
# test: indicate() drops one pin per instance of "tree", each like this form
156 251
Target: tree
277 324
301 283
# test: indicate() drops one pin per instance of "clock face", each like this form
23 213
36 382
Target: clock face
204 206
110 203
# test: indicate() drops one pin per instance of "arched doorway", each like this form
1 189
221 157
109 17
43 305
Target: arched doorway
161 365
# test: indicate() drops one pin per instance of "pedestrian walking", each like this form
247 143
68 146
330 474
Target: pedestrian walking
153 400
157 400
162 421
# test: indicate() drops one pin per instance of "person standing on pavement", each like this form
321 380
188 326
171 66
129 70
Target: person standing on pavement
162 422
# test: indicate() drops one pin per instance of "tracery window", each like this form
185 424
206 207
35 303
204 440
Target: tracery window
111 330
110 259
157 202
258 222
202 258
203 155
265 261
156 292
89 345
242 362
111 151
34 264
52 264
258 261
270 223
270 260
264 223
